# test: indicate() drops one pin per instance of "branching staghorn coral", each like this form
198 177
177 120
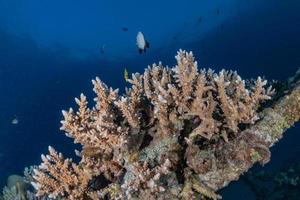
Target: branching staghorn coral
177 133
60 177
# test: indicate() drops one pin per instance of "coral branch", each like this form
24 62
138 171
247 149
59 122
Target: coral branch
57 177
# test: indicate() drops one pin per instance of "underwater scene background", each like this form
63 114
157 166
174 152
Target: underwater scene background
51 50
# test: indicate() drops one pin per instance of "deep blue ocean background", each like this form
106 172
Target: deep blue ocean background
50 51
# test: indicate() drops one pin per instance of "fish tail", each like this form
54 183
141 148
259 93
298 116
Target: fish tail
147 44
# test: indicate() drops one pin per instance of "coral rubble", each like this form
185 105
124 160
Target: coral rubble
177 133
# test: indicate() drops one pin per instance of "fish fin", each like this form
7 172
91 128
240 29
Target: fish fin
141 51
147 44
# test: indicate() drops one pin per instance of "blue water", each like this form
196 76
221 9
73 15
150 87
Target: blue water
50 51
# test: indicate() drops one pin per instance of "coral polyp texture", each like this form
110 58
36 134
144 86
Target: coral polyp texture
177 133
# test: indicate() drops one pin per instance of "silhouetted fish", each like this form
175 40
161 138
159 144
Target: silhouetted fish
124 29
102 49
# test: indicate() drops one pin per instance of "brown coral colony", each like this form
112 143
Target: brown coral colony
143 143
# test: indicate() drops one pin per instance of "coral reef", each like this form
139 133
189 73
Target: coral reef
18 188
177 133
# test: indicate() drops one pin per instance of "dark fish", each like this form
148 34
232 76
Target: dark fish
218 11
124 29
200 19
102 49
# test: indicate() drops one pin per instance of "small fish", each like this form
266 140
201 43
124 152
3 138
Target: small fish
102 49
200 19
15 121
126 76
141 43
124 29
218 11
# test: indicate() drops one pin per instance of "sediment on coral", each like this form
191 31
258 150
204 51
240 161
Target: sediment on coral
177 133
